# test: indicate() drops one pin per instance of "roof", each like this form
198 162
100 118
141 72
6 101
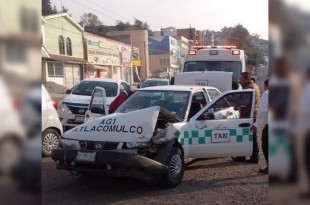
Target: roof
176 88
157 79
103 80
66 15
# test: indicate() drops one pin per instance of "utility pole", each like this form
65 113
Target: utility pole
212 39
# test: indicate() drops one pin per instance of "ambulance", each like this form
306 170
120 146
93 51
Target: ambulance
215 66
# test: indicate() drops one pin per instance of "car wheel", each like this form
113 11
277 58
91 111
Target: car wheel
50 141
9 155
175 172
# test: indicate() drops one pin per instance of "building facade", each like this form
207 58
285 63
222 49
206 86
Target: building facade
139 39
164 54
63 40
109 58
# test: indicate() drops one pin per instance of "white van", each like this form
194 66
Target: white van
204 64
72 108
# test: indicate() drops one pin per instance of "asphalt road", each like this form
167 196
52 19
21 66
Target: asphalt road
212 181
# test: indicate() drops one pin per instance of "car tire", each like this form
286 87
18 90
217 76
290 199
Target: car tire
175 163
50 141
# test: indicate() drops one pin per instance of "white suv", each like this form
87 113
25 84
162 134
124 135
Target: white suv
72 108
51 126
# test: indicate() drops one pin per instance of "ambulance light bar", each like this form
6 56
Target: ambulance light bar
209 47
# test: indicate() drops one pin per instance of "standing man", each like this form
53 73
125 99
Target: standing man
246 83
262 120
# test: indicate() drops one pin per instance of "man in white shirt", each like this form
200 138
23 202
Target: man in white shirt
262 120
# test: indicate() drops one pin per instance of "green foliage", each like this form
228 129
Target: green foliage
47 8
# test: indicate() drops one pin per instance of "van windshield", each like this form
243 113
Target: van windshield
87 87
227 66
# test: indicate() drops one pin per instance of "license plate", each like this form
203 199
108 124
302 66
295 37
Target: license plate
86 157
79 119
220 136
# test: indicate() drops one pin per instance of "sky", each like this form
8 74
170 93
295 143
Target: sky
200 14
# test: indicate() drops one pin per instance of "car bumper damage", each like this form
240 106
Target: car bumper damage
143 160
110 163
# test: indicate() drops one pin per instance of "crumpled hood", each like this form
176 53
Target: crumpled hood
83 99
136 126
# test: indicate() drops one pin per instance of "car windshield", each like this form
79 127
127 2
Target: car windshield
87 87
174 101
150 83
228 66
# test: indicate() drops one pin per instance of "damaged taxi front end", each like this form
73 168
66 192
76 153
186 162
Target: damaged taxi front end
136 144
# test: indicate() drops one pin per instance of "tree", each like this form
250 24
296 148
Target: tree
47 8
90 21
240 37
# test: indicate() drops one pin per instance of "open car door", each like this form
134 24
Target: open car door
98 105
222 128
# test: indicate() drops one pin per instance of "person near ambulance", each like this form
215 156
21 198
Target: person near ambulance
246 83
262 120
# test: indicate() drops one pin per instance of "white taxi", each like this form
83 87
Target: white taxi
156 130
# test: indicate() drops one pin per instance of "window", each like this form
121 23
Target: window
231 106
69 46
61 44
55 69
161 62
168 63
213 93
164 62
199 97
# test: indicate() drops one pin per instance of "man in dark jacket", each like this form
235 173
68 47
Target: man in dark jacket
246 83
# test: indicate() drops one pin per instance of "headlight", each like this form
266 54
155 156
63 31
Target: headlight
160 137
131 145
64 108
70 144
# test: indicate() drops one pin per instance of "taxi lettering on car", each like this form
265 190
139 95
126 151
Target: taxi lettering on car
153 133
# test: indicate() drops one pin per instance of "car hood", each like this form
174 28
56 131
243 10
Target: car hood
136 126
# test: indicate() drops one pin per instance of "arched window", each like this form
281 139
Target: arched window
61 44
69 47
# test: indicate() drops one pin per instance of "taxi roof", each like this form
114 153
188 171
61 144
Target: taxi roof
177 88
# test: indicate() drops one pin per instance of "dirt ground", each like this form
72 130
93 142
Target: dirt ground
210 181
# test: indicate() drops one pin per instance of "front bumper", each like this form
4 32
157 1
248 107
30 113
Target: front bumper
70 120
121 163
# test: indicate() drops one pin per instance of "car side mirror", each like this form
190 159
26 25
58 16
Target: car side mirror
206 116
97 110
68 91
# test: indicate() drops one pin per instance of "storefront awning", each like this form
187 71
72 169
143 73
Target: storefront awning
68 59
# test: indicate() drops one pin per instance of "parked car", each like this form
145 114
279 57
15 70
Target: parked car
156 130
12 131
72 108
51 126
154 82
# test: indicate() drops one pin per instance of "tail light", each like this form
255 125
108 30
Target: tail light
55 105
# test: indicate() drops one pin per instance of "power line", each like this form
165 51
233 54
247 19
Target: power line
83 5
108 10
